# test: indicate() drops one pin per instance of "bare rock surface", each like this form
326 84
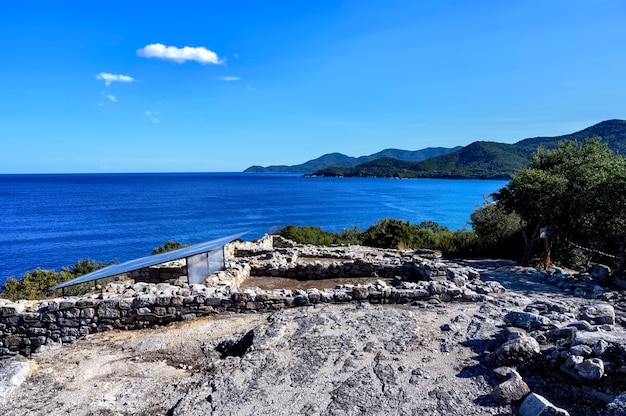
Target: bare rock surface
428 357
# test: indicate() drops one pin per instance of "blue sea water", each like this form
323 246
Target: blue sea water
50 221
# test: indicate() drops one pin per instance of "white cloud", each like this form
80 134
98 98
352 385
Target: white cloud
152 115
112 97
109 78
179 55
228 78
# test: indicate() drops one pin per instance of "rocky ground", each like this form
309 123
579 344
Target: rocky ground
426 358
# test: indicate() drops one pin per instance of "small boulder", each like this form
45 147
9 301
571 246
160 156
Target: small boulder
537 405
527 320
516 351
591 369
512 390
598 313
505 373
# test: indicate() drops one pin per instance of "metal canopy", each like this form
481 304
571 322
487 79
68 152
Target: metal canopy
142 262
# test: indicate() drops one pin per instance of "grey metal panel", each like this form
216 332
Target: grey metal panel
202 265
142 262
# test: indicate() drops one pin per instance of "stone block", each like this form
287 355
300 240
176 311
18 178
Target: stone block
126 303
144 300
360 292
527 320
67 303
537 405
163 300
598 313
11 309
109 309
88 313
72 312
69 322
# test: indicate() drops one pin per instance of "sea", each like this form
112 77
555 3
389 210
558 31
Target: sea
53 220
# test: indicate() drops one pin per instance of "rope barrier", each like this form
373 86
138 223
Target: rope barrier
593 251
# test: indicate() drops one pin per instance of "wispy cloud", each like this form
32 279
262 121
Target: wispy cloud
179 55
111 97
152 115
228 78
108 78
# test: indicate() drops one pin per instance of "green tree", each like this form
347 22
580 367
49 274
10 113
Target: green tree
497 231
390 233
575 191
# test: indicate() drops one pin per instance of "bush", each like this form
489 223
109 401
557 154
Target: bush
168 246
498 232
35 284
309 235
391 233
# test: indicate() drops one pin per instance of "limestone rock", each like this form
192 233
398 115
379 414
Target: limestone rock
598 313
536 405
591 338
516 351
527 320
591 369
12 374
512 390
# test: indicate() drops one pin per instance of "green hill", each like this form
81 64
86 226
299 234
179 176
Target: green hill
481 160
341 160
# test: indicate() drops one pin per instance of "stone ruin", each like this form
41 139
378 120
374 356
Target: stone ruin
543 345
389 277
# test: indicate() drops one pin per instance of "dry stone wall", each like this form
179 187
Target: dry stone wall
26 326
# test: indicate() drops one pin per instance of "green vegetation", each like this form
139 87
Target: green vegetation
169 246
497 231
343 161
390 233
479 160
34 285
578 191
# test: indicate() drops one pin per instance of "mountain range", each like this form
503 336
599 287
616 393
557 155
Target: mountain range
343 161
478 160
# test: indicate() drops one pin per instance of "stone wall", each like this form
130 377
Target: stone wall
25 326
161 273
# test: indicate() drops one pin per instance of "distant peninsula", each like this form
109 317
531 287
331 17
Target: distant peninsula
343 161
478 160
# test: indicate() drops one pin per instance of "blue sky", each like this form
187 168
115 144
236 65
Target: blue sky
122 86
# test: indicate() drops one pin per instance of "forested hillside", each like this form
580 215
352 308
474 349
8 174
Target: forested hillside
481 160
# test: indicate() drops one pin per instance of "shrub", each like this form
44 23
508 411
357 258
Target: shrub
309 235
498 232
168 246
35 284
391 233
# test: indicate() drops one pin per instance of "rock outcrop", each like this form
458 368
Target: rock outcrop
417 335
